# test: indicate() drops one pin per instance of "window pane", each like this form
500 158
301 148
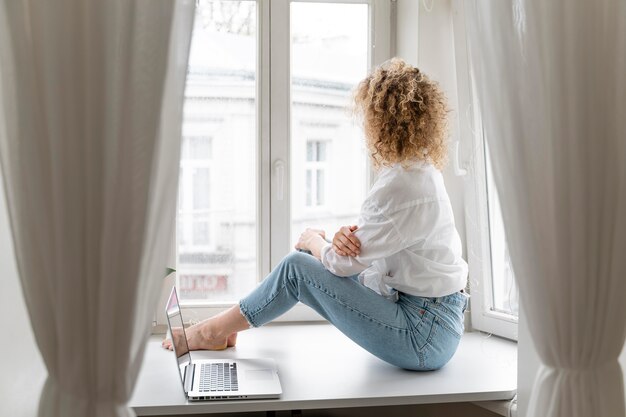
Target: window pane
199 148
310 151
217 223
320 187
201 189
329 53
505 294
321 151
309 187
201 232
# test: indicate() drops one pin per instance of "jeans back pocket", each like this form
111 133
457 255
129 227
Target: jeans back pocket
424 328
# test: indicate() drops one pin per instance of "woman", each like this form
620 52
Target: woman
394 282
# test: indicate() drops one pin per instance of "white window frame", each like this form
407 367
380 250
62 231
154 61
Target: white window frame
273 135
484 317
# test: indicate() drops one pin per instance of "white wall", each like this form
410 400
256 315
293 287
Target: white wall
19 357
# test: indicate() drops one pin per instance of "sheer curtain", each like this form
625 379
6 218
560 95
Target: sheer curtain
552 92
91 98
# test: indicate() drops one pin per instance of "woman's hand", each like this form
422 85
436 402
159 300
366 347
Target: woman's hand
309 237
345 243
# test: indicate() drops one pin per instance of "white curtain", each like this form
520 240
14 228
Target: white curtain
551 81
91 98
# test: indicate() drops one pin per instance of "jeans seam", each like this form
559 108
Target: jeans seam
246 314
276 294
445 310
312 284
446 326
443 323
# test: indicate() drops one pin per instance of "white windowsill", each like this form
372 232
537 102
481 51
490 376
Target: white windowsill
320 368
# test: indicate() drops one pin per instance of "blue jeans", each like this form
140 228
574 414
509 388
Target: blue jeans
416 333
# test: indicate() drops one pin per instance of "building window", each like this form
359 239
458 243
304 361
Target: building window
316 168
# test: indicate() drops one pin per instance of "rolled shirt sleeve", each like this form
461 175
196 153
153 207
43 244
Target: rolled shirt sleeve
379 239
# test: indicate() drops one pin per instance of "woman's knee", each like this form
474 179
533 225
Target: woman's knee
299 266
297 259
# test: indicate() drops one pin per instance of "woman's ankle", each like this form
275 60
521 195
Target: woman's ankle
211 332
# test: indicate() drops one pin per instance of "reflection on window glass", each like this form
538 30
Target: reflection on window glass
329 53
217 223
505 293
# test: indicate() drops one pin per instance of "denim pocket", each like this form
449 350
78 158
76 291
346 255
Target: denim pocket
425 328
449 316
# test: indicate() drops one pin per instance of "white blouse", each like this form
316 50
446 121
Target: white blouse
409 242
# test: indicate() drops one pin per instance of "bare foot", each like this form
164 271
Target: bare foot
232 340
198 339
216 333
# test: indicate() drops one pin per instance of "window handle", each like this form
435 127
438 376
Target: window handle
279 173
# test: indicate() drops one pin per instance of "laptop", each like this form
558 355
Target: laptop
219 379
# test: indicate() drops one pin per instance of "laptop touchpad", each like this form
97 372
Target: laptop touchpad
259 374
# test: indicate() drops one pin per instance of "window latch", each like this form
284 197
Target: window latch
279 174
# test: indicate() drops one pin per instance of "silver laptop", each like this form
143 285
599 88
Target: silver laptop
219 379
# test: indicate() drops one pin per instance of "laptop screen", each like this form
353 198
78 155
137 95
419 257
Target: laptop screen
177 332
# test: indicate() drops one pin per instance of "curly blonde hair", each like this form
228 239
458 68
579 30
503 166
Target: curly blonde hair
404 115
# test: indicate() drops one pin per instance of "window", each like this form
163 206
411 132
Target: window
266 130
504 291
329 56
193 202
316 167
217 217
495 299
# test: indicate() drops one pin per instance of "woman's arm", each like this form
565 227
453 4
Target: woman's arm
313 241
378 238
345 243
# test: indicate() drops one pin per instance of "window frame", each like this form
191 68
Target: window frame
478 235
273 137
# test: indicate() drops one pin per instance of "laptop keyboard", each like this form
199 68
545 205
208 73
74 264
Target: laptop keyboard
218 377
